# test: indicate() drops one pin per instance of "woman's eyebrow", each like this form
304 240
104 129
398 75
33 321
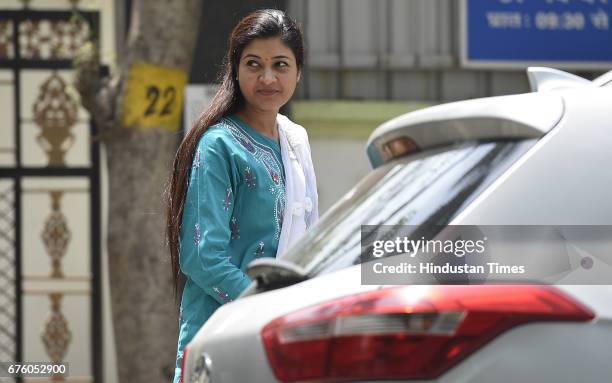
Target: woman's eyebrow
257 57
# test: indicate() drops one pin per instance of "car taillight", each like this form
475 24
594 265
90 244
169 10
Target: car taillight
408 332
182 378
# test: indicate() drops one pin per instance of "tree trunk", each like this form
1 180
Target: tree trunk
145 316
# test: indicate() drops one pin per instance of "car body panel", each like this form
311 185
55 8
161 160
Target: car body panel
231 330
538 194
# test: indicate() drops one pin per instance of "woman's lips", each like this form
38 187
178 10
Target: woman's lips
268 92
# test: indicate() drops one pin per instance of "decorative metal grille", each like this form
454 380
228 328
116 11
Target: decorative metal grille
7 50
46 40
51 39
57 335
8 295
55 112
56 235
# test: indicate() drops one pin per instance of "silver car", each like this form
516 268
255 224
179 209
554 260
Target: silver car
543 158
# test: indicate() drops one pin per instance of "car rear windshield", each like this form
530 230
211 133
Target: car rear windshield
426 190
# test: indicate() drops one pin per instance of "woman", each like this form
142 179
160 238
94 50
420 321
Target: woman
243 185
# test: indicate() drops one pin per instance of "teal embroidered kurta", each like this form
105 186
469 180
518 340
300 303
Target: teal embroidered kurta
232 214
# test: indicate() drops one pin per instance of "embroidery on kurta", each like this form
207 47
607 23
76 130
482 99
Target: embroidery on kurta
264 155
279 208
196 160
244 141
259 252
196 234
227 202
222 294
249 177
234 228
261 152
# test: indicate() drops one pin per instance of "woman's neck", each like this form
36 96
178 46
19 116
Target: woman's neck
263 122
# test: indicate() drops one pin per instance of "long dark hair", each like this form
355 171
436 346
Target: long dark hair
264 23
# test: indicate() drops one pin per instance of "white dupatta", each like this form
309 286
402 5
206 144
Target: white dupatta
301 199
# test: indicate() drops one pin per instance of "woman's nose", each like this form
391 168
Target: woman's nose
267 77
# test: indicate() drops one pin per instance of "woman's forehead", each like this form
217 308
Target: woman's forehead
268 48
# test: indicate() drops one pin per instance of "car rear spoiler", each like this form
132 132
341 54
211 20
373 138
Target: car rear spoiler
494 118
543 79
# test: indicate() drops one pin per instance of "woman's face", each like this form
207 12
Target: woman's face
267 74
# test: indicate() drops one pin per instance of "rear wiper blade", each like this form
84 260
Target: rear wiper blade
272 273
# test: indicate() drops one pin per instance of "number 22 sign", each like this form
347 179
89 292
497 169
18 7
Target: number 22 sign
154 97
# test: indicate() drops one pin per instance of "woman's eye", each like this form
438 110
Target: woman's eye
252 63
282 64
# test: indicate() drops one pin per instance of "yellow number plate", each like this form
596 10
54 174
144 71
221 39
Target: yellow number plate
154 97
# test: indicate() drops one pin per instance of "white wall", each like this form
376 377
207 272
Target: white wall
339 165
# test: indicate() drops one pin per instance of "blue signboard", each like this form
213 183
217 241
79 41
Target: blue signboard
562 33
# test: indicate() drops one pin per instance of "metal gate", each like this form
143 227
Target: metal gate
50 278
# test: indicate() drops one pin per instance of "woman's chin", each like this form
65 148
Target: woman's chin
267 106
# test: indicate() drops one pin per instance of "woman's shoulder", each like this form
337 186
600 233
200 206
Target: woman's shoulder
217 136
